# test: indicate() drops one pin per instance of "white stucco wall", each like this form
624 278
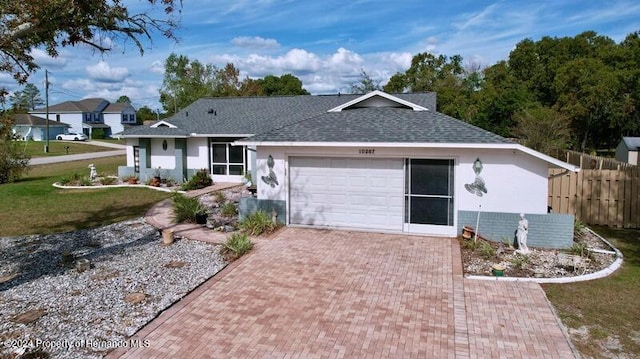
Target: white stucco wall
160 157
130 142
516 182
198 153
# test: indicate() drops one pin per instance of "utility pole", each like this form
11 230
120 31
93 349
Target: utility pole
46 95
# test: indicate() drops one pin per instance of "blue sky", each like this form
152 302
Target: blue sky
325 43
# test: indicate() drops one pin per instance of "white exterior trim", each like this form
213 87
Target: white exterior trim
503 146
163 123
380 94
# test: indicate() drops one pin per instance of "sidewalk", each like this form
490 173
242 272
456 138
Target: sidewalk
159 216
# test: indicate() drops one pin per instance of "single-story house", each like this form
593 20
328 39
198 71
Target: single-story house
627 150
30 127
87 115
375 162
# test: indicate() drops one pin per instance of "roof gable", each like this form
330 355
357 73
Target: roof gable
163 123
632 143
378 98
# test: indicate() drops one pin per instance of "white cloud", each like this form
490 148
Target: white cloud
45 61
157 67
102 72
256 42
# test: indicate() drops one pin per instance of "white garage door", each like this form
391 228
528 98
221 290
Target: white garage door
347 192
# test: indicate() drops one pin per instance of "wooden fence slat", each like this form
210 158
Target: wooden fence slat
597 197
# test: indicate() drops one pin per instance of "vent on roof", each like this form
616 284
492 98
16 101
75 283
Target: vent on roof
186 113
212 111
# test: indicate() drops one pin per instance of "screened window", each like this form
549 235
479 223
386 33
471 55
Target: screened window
429 192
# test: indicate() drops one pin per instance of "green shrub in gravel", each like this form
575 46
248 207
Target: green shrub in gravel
257 223
237 245
186 209
200 180
229 209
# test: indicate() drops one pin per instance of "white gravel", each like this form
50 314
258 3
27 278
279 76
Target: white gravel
85 314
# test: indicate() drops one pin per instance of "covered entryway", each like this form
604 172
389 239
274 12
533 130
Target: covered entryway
347 192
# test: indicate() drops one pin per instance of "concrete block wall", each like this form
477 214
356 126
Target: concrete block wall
249 205
552 230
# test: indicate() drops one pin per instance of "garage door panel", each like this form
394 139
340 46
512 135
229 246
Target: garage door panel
347 192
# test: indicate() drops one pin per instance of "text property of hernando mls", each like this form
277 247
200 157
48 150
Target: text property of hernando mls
79 343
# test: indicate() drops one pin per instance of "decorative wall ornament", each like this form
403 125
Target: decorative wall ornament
478 186
164 145
271 179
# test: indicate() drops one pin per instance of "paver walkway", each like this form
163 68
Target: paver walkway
335 294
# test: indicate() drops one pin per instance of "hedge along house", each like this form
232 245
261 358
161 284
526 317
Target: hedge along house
373 162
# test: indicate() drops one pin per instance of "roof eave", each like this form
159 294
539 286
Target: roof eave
502 146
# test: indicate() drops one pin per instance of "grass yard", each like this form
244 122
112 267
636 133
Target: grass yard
57 148
603 316
34 206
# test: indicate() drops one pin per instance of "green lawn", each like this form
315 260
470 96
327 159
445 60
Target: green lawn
606 310
33 205
57 148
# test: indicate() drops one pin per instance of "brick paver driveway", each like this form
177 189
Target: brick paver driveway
335 294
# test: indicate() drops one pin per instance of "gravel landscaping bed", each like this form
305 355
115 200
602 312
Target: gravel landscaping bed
46 303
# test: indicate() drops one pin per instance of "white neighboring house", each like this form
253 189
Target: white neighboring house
373 162
627 150
86 115
29 127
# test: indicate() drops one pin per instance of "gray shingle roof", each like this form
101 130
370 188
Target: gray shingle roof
381 125
23 119
86 105
632 143
253 115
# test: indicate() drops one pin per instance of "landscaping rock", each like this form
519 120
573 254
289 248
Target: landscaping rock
127 262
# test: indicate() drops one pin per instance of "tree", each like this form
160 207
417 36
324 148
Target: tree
364 85
144 113
588 95
501 96
30 24
123 99
227 82
27 99
185 81
13 161
542 129
284 85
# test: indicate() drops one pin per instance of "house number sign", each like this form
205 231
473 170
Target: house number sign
366 151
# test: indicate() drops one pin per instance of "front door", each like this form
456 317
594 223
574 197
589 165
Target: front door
429 196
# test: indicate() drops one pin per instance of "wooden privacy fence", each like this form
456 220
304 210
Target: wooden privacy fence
597 197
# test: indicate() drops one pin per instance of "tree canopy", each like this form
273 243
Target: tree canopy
30 24
27 99
579 92
187 80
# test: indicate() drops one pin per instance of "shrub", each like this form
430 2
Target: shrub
220 197
470 244
185 209
487 251
578 227
75 180
105 181
237 245
519 261
580 249
200 180
13 160
257 223
98 134
229 209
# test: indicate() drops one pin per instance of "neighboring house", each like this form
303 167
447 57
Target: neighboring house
376 162
29 127
89 114
627 150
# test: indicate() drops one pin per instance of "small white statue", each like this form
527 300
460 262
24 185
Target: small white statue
521 234
92 173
